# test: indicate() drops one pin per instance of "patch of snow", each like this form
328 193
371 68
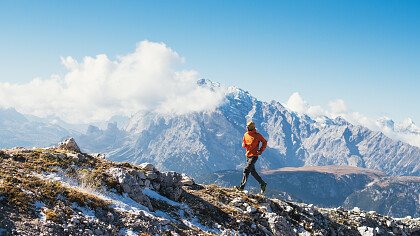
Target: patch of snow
124 203
195 223
252 112
38 205
163 215
128 232
42 216
152 194
121 203
27 192
370 184
86 211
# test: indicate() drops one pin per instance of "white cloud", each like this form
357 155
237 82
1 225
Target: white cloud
94 89
338 108
298 104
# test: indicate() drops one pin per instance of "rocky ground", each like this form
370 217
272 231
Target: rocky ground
61 191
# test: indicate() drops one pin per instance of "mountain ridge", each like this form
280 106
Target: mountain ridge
212 138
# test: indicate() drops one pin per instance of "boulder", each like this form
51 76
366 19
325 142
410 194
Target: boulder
69 145
279 225
187 181
366 231
147 167
151 175
171 185
132 184
77 156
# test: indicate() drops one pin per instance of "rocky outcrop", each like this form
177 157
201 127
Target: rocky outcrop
69 145
133 183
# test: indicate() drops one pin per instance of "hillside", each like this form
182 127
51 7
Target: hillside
60 191
395 196
335 186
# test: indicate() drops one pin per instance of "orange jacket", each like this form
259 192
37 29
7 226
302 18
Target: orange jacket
252 141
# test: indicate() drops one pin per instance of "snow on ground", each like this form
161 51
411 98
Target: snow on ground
195 223
192 223
124 203
128 232
121 203
86 211
42 216
152 194
39 206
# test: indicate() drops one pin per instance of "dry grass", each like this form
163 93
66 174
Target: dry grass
17 180
51 215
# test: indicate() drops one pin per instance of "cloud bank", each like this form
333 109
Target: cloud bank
96 88
405 131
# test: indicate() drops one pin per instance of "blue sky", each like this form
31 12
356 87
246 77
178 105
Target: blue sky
364 52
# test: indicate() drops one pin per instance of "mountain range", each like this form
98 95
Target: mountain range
206 145
209 141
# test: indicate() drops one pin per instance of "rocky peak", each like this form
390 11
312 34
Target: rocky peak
69 145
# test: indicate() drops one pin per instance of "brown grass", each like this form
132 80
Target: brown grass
16 176
51 215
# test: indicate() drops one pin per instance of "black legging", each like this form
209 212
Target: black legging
250 168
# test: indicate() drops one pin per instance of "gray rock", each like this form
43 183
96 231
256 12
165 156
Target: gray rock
147 183
140 175
69 145
156 186
76 156
356 210
187 181
366 231
151 175
279 225
132 185
171 185
147 167
251 209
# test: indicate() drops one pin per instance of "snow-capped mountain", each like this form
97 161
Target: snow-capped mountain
209 141
407 126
